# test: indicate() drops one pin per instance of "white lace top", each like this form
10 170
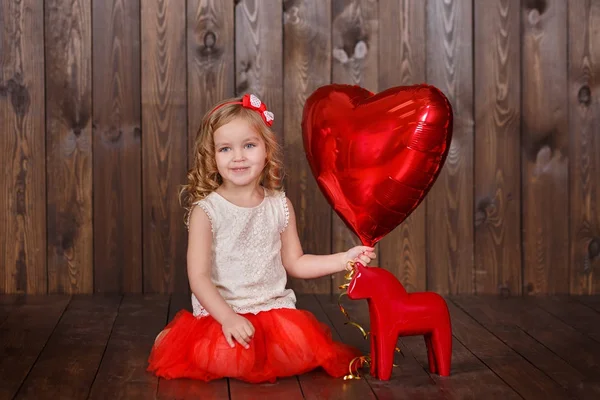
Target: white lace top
246 254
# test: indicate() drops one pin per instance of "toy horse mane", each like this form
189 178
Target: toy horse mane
380 279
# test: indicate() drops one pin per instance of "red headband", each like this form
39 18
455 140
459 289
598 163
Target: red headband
252 102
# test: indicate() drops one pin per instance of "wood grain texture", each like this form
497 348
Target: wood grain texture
450 201
471 377
402 56
22 148
117 146
307 66
584 146
210 59
67 366
259 54
355 43
68 42
574 347
502 327
497 147
283 388
23 336
164 145
545 153
572 312
122 373
522 376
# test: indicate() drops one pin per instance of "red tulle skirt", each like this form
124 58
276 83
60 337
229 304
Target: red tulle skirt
286 342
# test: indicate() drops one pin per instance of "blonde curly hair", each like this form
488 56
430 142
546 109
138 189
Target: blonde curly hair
204 178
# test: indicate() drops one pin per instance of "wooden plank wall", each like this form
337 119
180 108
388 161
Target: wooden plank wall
100 101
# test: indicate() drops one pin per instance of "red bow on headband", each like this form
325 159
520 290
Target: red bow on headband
253 102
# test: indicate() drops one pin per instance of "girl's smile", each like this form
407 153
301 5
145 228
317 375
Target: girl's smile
240 154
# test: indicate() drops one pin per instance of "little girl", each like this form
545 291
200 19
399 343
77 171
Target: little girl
242 243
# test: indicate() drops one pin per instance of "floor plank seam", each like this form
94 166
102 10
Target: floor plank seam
112 329
44 346
550 350
580 301
568 324
300 386
338 332
474 355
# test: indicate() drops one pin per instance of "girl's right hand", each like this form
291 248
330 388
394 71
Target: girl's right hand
238 328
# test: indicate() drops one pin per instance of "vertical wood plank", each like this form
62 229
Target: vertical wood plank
22 148
259 54
450 201
584 153
164 150
117 147
307 66
545 151
402 55
355 45
210 54
69 145
497 147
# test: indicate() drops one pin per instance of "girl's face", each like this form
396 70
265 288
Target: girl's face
240 153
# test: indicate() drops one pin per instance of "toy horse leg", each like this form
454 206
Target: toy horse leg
442 348
430 354
374 358
386 347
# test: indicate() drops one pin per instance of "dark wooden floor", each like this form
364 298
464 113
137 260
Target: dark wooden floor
60 347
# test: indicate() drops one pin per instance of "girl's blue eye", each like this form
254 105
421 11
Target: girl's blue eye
222 149
250 145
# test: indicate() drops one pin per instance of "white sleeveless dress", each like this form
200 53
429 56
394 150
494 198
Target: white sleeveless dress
246 254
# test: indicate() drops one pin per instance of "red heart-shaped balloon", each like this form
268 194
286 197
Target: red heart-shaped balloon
375 156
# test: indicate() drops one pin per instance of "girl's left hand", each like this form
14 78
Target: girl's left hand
362 254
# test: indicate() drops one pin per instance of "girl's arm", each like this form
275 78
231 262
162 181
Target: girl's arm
307 266
199 266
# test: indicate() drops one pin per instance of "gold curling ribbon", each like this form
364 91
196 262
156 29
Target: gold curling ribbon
356 362
350 322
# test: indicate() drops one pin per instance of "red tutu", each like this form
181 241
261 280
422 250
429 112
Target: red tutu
286 342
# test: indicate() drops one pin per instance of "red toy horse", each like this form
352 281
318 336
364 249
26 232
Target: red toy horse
394 312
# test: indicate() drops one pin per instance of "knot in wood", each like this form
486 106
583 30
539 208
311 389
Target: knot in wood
210 39
533 17
539 5
340 55
113 135
19 95
594 248
480 217
504 290
360 50
584 96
